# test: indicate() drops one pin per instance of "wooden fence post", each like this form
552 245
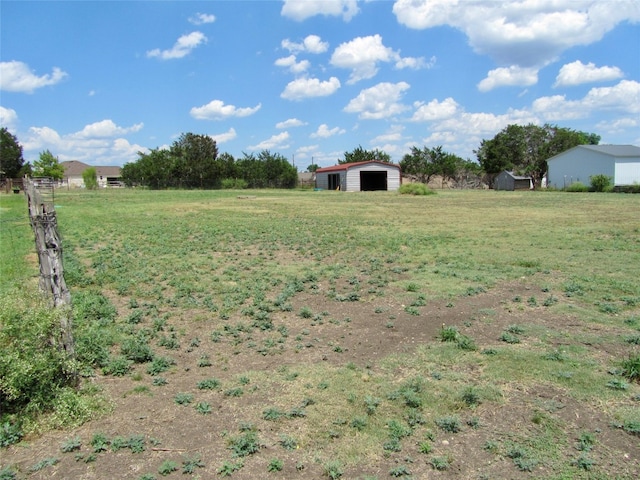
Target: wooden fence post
44 223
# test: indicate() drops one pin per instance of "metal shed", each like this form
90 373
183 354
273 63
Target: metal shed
359 176
578 164
508 181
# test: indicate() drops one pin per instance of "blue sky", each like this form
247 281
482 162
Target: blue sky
100 81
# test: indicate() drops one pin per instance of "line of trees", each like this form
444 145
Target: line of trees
192 161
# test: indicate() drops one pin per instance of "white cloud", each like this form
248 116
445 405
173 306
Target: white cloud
183 47
306 150
17 77
291 122
301 10
576 73
202 18
623 97
325 132
618 126
363 54
106 128
293 65
8 117
521 32
276 141
310 87
510 76
311 44
435 110
123 149
379 101
224 137
393 135
415 63
92 144
217 110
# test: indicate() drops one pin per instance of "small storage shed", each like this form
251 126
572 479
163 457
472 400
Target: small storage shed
578 164
508 181
359 177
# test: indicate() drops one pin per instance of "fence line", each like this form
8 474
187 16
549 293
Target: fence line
42 216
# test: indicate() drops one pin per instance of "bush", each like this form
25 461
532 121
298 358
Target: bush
577 187
32 368
631 368
600 183
234 183
415 189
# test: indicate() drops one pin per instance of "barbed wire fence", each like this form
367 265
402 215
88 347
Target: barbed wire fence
42 216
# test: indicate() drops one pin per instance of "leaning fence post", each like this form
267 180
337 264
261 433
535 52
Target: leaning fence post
42 216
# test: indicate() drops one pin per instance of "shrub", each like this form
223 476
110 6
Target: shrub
32 368
449 424
209 384
6 473
234 183
182 398
576 187
333 469
600 183
275 465
167 467
159 365
630 367
440 463
10 433
415 189
71 445
189 464
244 444
287 442
118 366
137 349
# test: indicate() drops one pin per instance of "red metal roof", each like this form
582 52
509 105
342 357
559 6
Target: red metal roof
347 166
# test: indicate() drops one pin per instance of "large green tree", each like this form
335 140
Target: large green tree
195 160
266 170
11 160
524 149
359 154
48 166
424 163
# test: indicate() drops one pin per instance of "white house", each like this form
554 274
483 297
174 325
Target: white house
578 164
359 176
106 176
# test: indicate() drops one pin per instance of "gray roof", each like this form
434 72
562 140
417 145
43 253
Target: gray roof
516 177
614 150
74 168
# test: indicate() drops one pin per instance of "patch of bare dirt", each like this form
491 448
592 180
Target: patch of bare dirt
362 332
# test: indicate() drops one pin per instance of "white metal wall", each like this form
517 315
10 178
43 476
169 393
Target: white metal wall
577 165
627 171
353 176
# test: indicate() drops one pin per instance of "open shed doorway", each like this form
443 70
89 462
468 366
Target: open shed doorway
370 181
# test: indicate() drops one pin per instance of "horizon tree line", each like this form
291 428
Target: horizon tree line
193 161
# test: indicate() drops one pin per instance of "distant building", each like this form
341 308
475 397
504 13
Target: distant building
107 176
578 164
359 176
508 181
306 179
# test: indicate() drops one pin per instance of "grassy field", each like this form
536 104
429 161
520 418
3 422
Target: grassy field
299 334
